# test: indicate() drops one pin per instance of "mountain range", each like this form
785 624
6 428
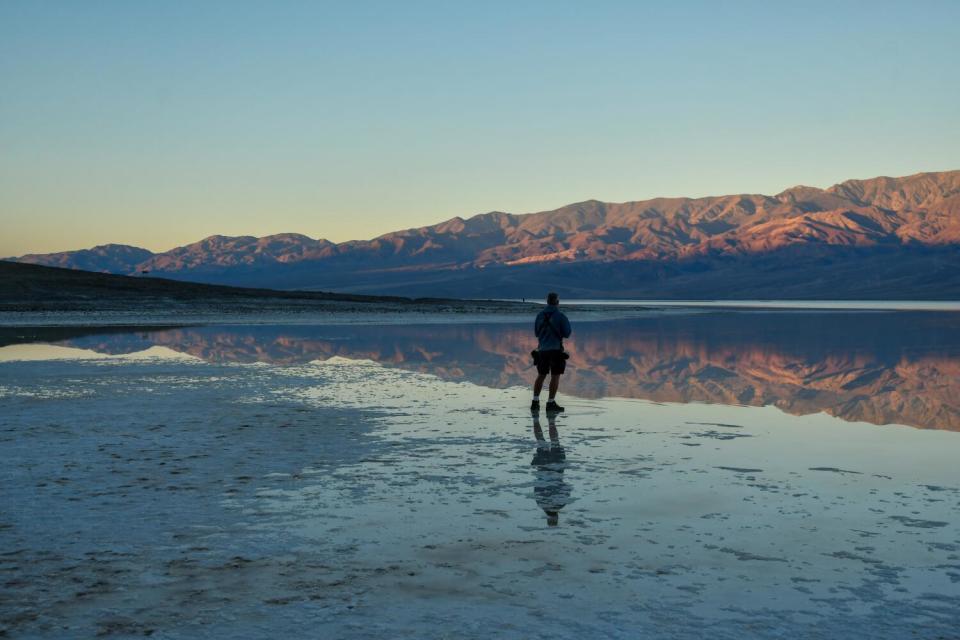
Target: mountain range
867 239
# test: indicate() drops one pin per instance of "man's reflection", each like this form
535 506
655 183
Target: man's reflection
549 461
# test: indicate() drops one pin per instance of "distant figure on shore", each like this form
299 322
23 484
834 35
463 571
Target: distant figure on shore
550 327
549 461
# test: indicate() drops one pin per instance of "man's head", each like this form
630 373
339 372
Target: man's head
553 298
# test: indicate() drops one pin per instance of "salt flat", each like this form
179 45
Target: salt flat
161 494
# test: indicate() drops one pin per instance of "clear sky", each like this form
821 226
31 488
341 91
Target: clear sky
159 123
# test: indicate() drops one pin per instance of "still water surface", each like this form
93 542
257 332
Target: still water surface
824 305
881 368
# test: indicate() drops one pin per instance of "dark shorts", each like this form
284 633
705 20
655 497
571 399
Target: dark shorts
551 362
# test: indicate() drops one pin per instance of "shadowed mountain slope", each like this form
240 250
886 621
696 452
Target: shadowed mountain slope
106 258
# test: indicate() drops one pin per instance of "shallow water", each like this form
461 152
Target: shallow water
836 305
769 475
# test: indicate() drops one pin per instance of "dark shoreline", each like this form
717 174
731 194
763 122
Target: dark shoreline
34 287
37 298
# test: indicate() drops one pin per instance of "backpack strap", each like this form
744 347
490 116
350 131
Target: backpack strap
547 321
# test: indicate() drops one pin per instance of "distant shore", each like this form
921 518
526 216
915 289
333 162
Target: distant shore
32 295
34 288
38 296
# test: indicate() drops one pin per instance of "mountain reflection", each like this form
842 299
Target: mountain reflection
875 367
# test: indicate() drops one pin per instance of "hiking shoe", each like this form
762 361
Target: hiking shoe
535 405
553 407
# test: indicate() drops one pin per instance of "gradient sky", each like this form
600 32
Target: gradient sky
159 123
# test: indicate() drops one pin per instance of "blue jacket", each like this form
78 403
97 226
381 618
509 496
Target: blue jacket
550 339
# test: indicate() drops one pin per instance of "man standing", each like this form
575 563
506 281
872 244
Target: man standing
550 327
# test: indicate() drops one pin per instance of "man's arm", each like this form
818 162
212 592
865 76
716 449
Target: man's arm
565 328
536 324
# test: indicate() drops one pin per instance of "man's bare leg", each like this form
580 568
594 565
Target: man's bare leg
538 385
554 385
552 402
